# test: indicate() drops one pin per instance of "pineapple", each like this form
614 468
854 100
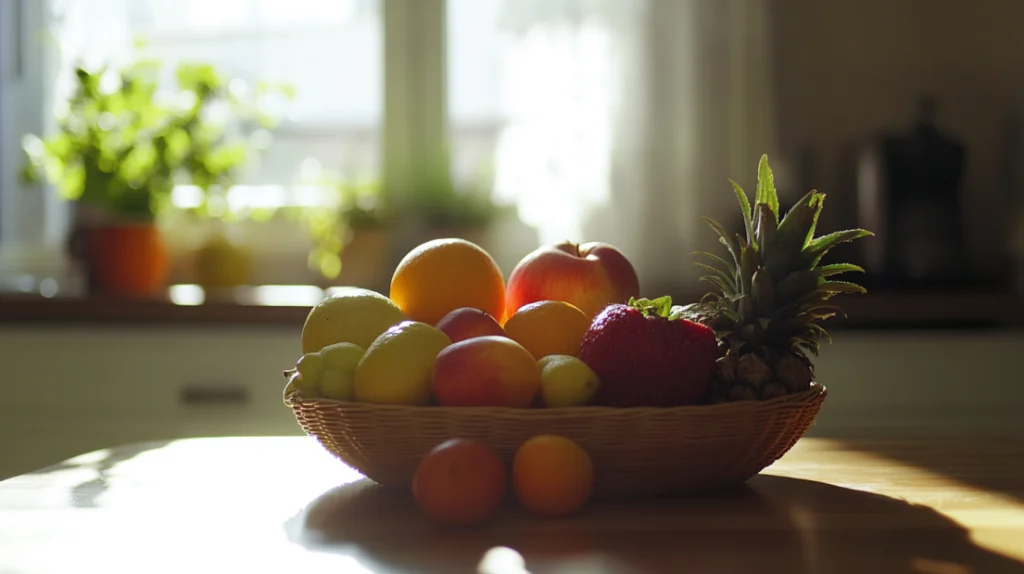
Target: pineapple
771 296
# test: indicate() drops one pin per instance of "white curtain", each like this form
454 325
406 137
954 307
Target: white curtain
626 117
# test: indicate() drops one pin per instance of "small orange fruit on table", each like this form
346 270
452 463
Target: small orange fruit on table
548 328
460 482
552 476
442 275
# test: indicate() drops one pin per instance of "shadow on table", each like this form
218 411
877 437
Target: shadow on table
994 469
772 524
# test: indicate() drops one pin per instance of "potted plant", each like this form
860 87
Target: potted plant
117 153
111 156
348 231
440 208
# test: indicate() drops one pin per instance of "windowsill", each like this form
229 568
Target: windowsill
288 305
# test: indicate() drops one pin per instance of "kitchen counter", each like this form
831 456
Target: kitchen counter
288 305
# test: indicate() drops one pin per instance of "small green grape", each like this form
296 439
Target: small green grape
311 366
344 356
337 384
298 383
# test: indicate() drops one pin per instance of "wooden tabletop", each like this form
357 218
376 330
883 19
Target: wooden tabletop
284 505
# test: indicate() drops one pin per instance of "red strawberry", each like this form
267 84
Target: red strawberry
646 355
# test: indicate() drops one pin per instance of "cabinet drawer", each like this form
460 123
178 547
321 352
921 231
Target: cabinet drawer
150 369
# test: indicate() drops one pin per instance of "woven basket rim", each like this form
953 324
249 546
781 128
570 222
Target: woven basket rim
816 390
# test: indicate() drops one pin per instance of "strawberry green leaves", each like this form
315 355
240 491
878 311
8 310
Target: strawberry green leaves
660 307
663 307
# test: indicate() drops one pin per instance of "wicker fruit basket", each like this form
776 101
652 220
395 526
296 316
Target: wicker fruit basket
635 451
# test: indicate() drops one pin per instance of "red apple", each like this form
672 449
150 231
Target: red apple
589 275
468 322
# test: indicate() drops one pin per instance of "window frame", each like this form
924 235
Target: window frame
33 219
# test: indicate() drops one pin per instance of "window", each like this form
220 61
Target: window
528 87
328 51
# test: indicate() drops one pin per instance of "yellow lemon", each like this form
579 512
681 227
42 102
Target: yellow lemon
566 381
352 315
397 368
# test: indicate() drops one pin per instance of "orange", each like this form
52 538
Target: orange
442 275
552 475
548 328
460 482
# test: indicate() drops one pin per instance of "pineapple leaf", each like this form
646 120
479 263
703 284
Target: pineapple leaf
726 288
800 325
725 265
841 287
724 239
709 299
766 189
833 309
746 309
763 293
817 248
836 269
809 317
794 285
764 233
821 332
749 262
811 345
815 297
723 275
794 233
748 222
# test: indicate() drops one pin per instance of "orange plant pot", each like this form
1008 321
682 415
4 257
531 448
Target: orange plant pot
128 259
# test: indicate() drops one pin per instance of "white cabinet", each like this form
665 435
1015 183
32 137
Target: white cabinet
66 389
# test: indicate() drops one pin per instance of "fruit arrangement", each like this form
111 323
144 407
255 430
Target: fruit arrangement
460 369
449 334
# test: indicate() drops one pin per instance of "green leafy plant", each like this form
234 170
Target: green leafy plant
442 205
122 143
353 204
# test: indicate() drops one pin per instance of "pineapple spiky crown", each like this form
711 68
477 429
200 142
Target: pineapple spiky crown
774 294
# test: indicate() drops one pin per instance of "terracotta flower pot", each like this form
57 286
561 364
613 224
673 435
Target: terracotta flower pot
128 259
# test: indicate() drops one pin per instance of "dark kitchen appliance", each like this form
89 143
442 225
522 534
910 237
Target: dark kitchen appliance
909 191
